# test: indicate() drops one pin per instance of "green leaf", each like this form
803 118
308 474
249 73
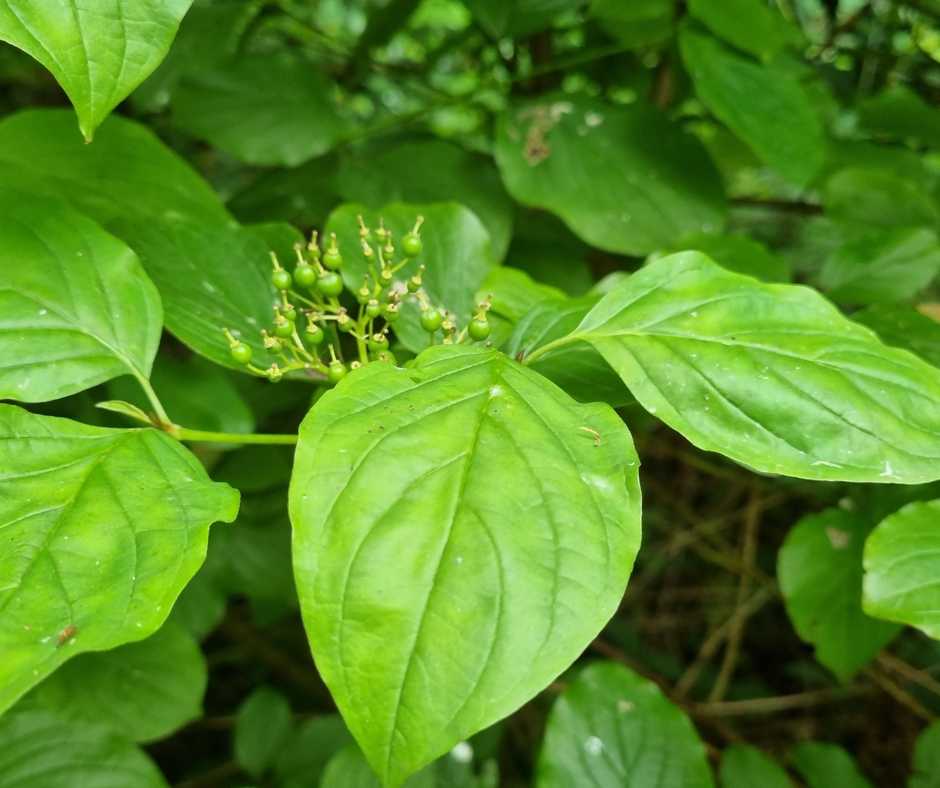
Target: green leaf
743 766
349 769
738 253
102 530
751 98
98 50
639 23
883 266
902 567
262 728
819 568
612 728
211 277
624 179
753 26
513 293
128 173
772 376
900 113
194 392
208 34
501 18
41 750
579 369
301 762
903 326
143 691
76 307
457 257
438 611
877 198
427 171
210 273
825 765
262 109
927 759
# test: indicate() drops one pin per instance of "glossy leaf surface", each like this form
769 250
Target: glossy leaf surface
98 50
480 527
902 567
76 307
102 530
773 376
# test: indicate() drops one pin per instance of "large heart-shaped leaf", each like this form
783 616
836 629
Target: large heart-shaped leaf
773 376
819 568
40 749
98 50
624 179
76 307
101 529
902 567
462 530
457 256
614 729
143 691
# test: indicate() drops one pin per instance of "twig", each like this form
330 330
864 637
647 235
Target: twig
801 700
737 622
900 694
710 647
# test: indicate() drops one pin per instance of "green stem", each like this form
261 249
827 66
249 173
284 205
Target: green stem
154 400
203 436
550 346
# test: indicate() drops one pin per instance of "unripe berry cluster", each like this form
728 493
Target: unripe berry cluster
310 318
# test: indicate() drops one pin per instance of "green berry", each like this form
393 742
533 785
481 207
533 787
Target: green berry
314 333
363 294
385 355
289 312
391 313
305 275
378 342
336 371
411 245
281 279
431 320
373 308
344 322
330 284
241 353
332 258
414 283
479 329
283 328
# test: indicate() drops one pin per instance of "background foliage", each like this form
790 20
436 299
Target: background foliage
775 631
